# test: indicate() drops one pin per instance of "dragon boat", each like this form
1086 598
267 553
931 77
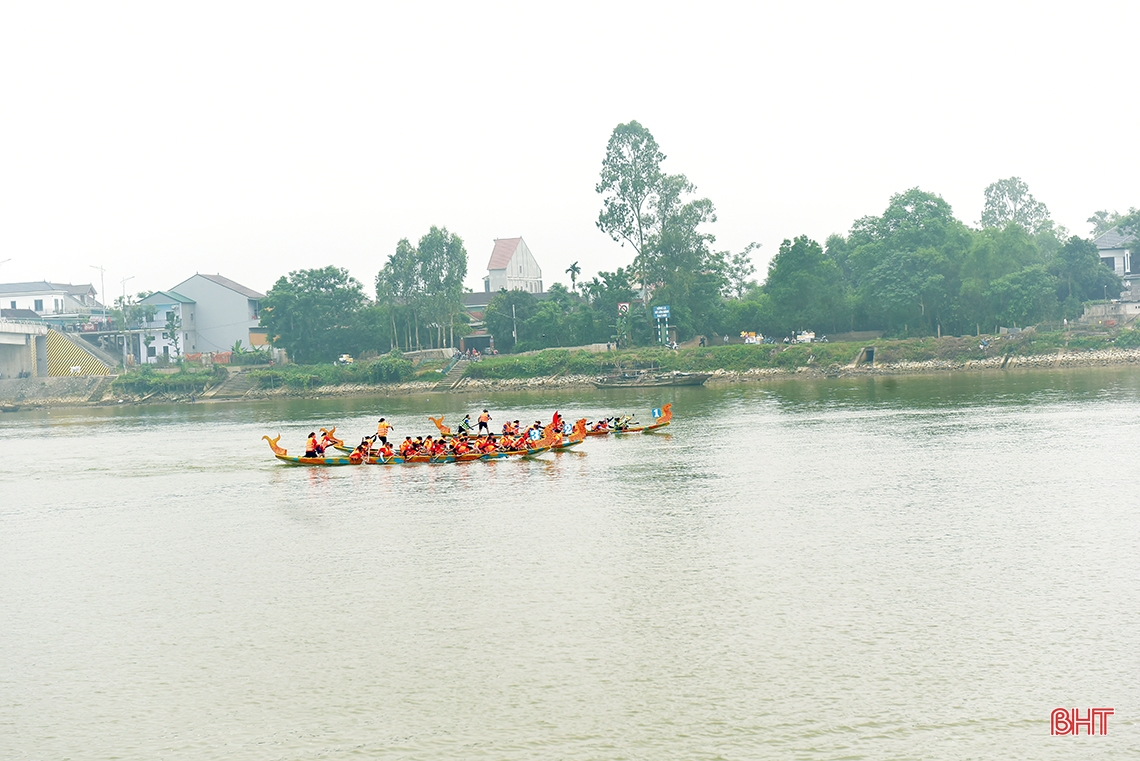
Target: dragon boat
550 441
661 418
283 454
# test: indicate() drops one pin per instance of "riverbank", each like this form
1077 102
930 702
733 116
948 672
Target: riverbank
33 393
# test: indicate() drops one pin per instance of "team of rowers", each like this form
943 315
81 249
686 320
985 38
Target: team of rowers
469 439
514 438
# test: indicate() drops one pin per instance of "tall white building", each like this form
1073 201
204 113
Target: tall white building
513 267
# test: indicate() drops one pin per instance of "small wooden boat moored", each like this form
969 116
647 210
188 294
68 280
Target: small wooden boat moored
646 379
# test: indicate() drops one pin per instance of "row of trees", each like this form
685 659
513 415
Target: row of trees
913 270
918 270
317 314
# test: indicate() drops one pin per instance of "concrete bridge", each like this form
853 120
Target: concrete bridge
23 349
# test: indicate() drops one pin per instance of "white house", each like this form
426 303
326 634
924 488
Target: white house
168 305
50 299
512 267
223 313
1113 248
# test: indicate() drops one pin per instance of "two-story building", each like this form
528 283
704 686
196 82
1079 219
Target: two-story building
1115 249
170 309
221 312
51 300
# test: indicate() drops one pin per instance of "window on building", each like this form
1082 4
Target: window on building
1108 261
39 305
169 316
255 308
150 352
13 305
166 351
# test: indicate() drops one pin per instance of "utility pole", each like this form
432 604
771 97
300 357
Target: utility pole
126 330
515 326
102 288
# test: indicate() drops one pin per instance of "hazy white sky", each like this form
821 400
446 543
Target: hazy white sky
252 139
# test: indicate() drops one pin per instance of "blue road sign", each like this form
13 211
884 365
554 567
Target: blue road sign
661 312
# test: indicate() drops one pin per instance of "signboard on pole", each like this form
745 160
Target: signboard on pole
623 307
661 312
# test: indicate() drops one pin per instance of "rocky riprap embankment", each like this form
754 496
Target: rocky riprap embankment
47 392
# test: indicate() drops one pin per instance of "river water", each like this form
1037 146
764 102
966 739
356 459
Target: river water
879 568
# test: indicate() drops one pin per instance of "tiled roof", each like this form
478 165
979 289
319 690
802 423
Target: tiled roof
74 290
170 296
504 249
225 282
19 314
32 287
1114 239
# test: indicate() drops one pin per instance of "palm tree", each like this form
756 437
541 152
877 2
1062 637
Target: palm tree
574 271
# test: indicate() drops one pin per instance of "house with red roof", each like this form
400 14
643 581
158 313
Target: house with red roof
512 267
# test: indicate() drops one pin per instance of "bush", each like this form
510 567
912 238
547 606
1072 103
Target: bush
391 368
1128 339
145 381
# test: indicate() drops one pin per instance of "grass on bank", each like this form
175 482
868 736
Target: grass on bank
390 368
189 379
393 368
744 357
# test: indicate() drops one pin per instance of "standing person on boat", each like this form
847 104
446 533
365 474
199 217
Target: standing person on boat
312 447
485 423
465 425
382 429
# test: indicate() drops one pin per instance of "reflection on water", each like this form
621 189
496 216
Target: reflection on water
863 568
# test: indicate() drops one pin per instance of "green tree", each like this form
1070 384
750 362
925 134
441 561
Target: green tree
422 286
1024 297
1129 225
399 285
1103 221
172 332
994 253
804 290
913 221
1009 200
1081 275
442 266
630 180
574 271
506 317
909 290
740 270
314 314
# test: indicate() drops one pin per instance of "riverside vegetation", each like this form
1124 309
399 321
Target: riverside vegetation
914 270
392 372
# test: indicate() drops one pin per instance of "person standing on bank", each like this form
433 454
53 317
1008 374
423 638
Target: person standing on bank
484 423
